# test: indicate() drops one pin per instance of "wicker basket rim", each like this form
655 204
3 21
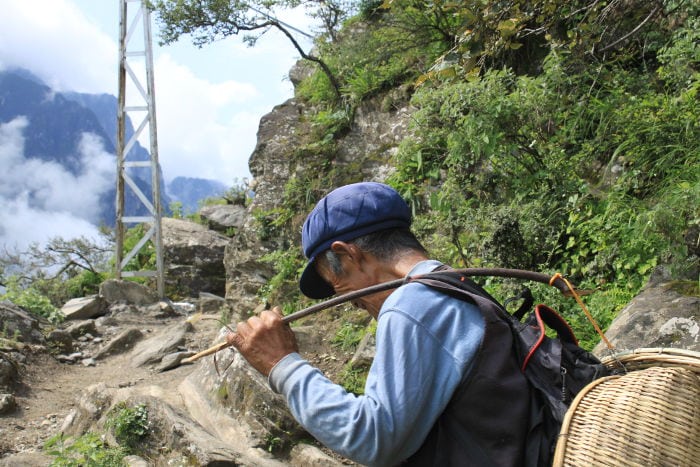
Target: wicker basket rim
663 356
638 359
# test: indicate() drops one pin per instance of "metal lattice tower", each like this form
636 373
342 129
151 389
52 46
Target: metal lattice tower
140 106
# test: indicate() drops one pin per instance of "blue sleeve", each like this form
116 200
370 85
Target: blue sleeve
412 378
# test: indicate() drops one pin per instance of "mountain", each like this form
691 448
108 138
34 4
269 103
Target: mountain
55 123
190 191
54 126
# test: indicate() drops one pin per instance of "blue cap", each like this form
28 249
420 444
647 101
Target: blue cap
344 214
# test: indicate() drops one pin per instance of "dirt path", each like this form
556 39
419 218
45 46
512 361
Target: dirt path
49 389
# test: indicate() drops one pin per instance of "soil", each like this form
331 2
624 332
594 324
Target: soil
48 389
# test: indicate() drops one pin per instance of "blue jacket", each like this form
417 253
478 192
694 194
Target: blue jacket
426 346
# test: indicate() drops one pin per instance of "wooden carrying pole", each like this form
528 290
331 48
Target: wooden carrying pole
472 272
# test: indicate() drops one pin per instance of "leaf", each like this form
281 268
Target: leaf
508 27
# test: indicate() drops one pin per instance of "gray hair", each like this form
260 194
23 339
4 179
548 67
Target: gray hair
385 245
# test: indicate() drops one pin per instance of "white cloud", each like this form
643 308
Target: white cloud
199 123
55 40
41 199
209 101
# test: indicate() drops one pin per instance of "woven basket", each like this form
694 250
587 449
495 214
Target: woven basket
649 416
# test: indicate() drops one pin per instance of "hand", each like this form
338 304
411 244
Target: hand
265 340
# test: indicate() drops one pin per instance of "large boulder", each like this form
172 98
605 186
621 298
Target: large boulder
664 314
166 341
227 218
194 258
84 307
18 324
120 291
181 440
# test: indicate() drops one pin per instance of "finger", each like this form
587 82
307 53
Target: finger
234 339
254 323
270 316
243 328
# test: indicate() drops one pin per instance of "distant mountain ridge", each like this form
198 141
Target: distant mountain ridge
56 123
190 191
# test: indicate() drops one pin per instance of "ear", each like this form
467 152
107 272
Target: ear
347 251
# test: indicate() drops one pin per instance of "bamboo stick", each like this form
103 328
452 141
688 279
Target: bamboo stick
498 272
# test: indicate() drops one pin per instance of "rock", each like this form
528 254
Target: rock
305 455
114 291
88 362
365 351
84 307
115 310
65 358
18 324
241 390
211 304
8 371
82 328
301 70
183 308
162 309
60 340
135 461
7 403
92 404
660 316
26 459
181 440
224 217
172 360
194 257
155 348
120 344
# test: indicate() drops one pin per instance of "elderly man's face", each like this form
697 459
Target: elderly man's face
354 276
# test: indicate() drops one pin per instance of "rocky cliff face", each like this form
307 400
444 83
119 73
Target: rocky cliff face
363 153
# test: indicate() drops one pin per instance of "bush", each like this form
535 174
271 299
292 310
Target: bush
88 450
130 424
32 300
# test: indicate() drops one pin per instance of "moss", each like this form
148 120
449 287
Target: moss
685 287
222 393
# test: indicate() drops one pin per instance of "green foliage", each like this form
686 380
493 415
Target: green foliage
130 424
317 89
176 209
348 336
60 269
273 443
280 289
31 300
85 283
88 450
238 193
353 379
547 135
146 257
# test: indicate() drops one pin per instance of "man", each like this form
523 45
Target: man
443 389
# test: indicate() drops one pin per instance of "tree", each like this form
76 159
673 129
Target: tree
211 20
60 269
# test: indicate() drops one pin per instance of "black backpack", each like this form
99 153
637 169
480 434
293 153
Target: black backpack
557 368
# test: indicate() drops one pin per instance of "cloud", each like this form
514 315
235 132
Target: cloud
201 131
41 199
56 41
209 101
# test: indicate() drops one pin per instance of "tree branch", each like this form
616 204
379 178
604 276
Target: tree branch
633 31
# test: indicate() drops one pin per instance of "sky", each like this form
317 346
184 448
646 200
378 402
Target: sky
209 102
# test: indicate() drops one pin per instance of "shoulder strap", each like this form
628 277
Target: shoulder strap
456 284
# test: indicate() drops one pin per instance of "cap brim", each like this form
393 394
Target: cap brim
313 285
